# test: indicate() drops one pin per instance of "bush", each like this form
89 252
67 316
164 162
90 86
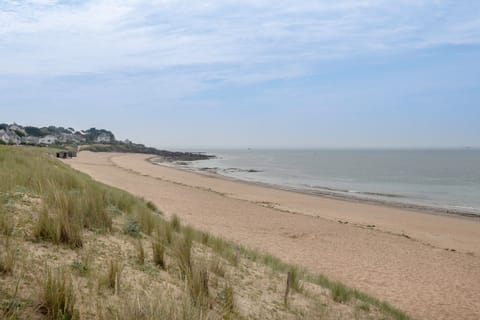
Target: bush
79 267
132 227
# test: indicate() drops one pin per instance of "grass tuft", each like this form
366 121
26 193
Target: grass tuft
340 293
226 298
296 283
58 227
175 223
158 249
217 267
198 286
6 222
7 258
57 299
152 206
112 277
140 253
182 252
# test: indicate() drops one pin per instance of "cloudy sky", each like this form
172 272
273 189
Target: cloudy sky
169 73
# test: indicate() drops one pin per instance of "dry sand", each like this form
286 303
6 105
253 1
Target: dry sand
405 259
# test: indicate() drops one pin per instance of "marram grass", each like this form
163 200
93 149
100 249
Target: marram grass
73 202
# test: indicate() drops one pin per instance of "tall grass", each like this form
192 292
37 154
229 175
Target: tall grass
226 297
158 251
6 222
175 223
140 253
197 282
7 257
71 201
57 299
113 276
182 251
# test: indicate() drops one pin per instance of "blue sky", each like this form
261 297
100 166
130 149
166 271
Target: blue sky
365 73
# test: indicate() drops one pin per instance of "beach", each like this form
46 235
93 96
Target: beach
426 264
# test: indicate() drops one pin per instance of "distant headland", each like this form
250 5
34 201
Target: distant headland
96 140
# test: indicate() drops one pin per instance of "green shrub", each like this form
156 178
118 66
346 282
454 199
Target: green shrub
79 267
132 227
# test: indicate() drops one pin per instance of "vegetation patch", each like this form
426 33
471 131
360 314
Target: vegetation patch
78 235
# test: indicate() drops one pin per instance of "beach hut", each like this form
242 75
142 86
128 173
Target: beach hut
64 155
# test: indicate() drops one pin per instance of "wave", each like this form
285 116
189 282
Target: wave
366 193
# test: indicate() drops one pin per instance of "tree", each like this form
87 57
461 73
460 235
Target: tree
34 131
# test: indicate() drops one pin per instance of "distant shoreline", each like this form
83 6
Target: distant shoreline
322 193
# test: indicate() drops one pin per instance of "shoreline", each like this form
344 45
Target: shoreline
325 194
386 252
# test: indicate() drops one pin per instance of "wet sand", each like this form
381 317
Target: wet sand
425 264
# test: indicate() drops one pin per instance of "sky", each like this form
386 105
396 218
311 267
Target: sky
237 74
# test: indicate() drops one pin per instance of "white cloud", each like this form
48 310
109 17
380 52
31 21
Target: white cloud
234 40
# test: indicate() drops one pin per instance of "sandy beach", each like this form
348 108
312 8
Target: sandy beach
425 264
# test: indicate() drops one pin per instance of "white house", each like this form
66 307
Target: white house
30 140
47 140
9 137
103 137
4 136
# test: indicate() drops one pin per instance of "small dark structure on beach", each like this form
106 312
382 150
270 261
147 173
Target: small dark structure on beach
66 154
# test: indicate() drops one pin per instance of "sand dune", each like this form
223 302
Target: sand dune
402 259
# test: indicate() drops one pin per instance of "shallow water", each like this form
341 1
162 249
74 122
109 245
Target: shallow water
440 179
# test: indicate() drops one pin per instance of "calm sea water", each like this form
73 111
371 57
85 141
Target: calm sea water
441 179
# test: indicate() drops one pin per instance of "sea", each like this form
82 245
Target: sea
445 181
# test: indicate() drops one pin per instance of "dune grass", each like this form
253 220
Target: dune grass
72 203
57 296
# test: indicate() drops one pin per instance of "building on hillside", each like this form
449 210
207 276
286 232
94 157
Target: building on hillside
4 136
31 140
15 127
48 140
103 138
9 137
